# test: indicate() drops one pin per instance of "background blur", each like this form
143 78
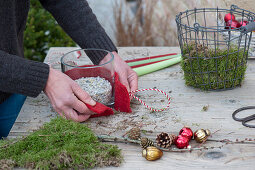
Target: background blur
127 22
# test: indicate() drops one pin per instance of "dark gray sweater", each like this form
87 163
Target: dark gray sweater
18 75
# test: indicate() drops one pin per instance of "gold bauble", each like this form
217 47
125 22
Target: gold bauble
152 153
201 135
208 132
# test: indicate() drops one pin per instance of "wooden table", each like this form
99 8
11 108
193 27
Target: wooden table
186 110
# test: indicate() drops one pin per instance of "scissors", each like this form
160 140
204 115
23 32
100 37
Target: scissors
244 120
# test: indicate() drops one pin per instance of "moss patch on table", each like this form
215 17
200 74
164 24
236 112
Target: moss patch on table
211 69
59 144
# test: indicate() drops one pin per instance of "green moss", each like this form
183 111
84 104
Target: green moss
60 144
211 69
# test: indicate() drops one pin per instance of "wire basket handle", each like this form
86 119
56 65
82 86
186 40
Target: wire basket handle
235 7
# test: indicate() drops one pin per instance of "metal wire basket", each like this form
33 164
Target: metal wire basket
210 60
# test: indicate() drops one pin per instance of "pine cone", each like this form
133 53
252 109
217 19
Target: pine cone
145 142
164 140
173 138
134 133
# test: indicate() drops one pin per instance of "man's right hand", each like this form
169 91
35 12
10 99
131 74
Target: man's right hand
67 97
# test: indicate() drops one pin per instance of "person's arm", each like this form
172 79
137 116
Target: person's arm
19 75
81 24
78 20
30 78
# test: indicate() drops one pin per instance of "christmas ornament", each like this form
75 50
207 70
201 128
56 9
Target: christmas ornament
232 24
164 140
152 153
229 16
145 142
201 135
182 142
134 133
187 132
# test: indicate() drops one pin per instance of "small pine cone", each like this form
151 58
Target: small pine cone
134 133
145 142
164 140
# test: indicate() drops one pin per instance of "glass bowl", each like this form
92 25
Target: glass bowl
97 80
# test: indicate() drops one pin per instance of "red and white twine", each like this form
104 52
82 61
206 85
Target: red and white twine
150 108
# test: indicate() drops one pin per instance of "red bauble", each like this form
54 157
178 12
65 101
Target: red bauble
181 142
232 24
187 132
243 23
229 16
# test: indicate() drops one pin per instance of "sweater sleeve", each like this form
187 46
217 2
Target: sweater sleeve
81 24
19 75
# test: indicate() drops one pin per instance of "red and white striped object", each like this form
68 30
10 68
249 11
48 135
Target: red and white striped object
150 108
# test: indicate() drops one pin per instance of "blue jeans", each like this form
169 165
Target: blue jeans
9 111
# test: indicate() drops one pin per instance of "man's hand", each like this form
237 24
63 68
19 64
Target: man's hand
127 76
67 97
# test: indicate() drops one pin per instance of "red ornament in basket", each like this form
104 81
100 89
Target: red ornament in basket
231 22
229 17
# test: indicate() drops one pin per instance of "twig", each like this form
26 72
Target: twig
215 132
191 149
106 138
238 141
125 134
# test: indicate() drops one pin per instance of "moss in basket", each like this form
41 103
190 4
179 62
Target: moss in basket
60 144
200 64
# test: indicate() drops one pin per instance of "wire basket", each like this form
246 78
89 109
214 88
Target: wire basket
210 60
